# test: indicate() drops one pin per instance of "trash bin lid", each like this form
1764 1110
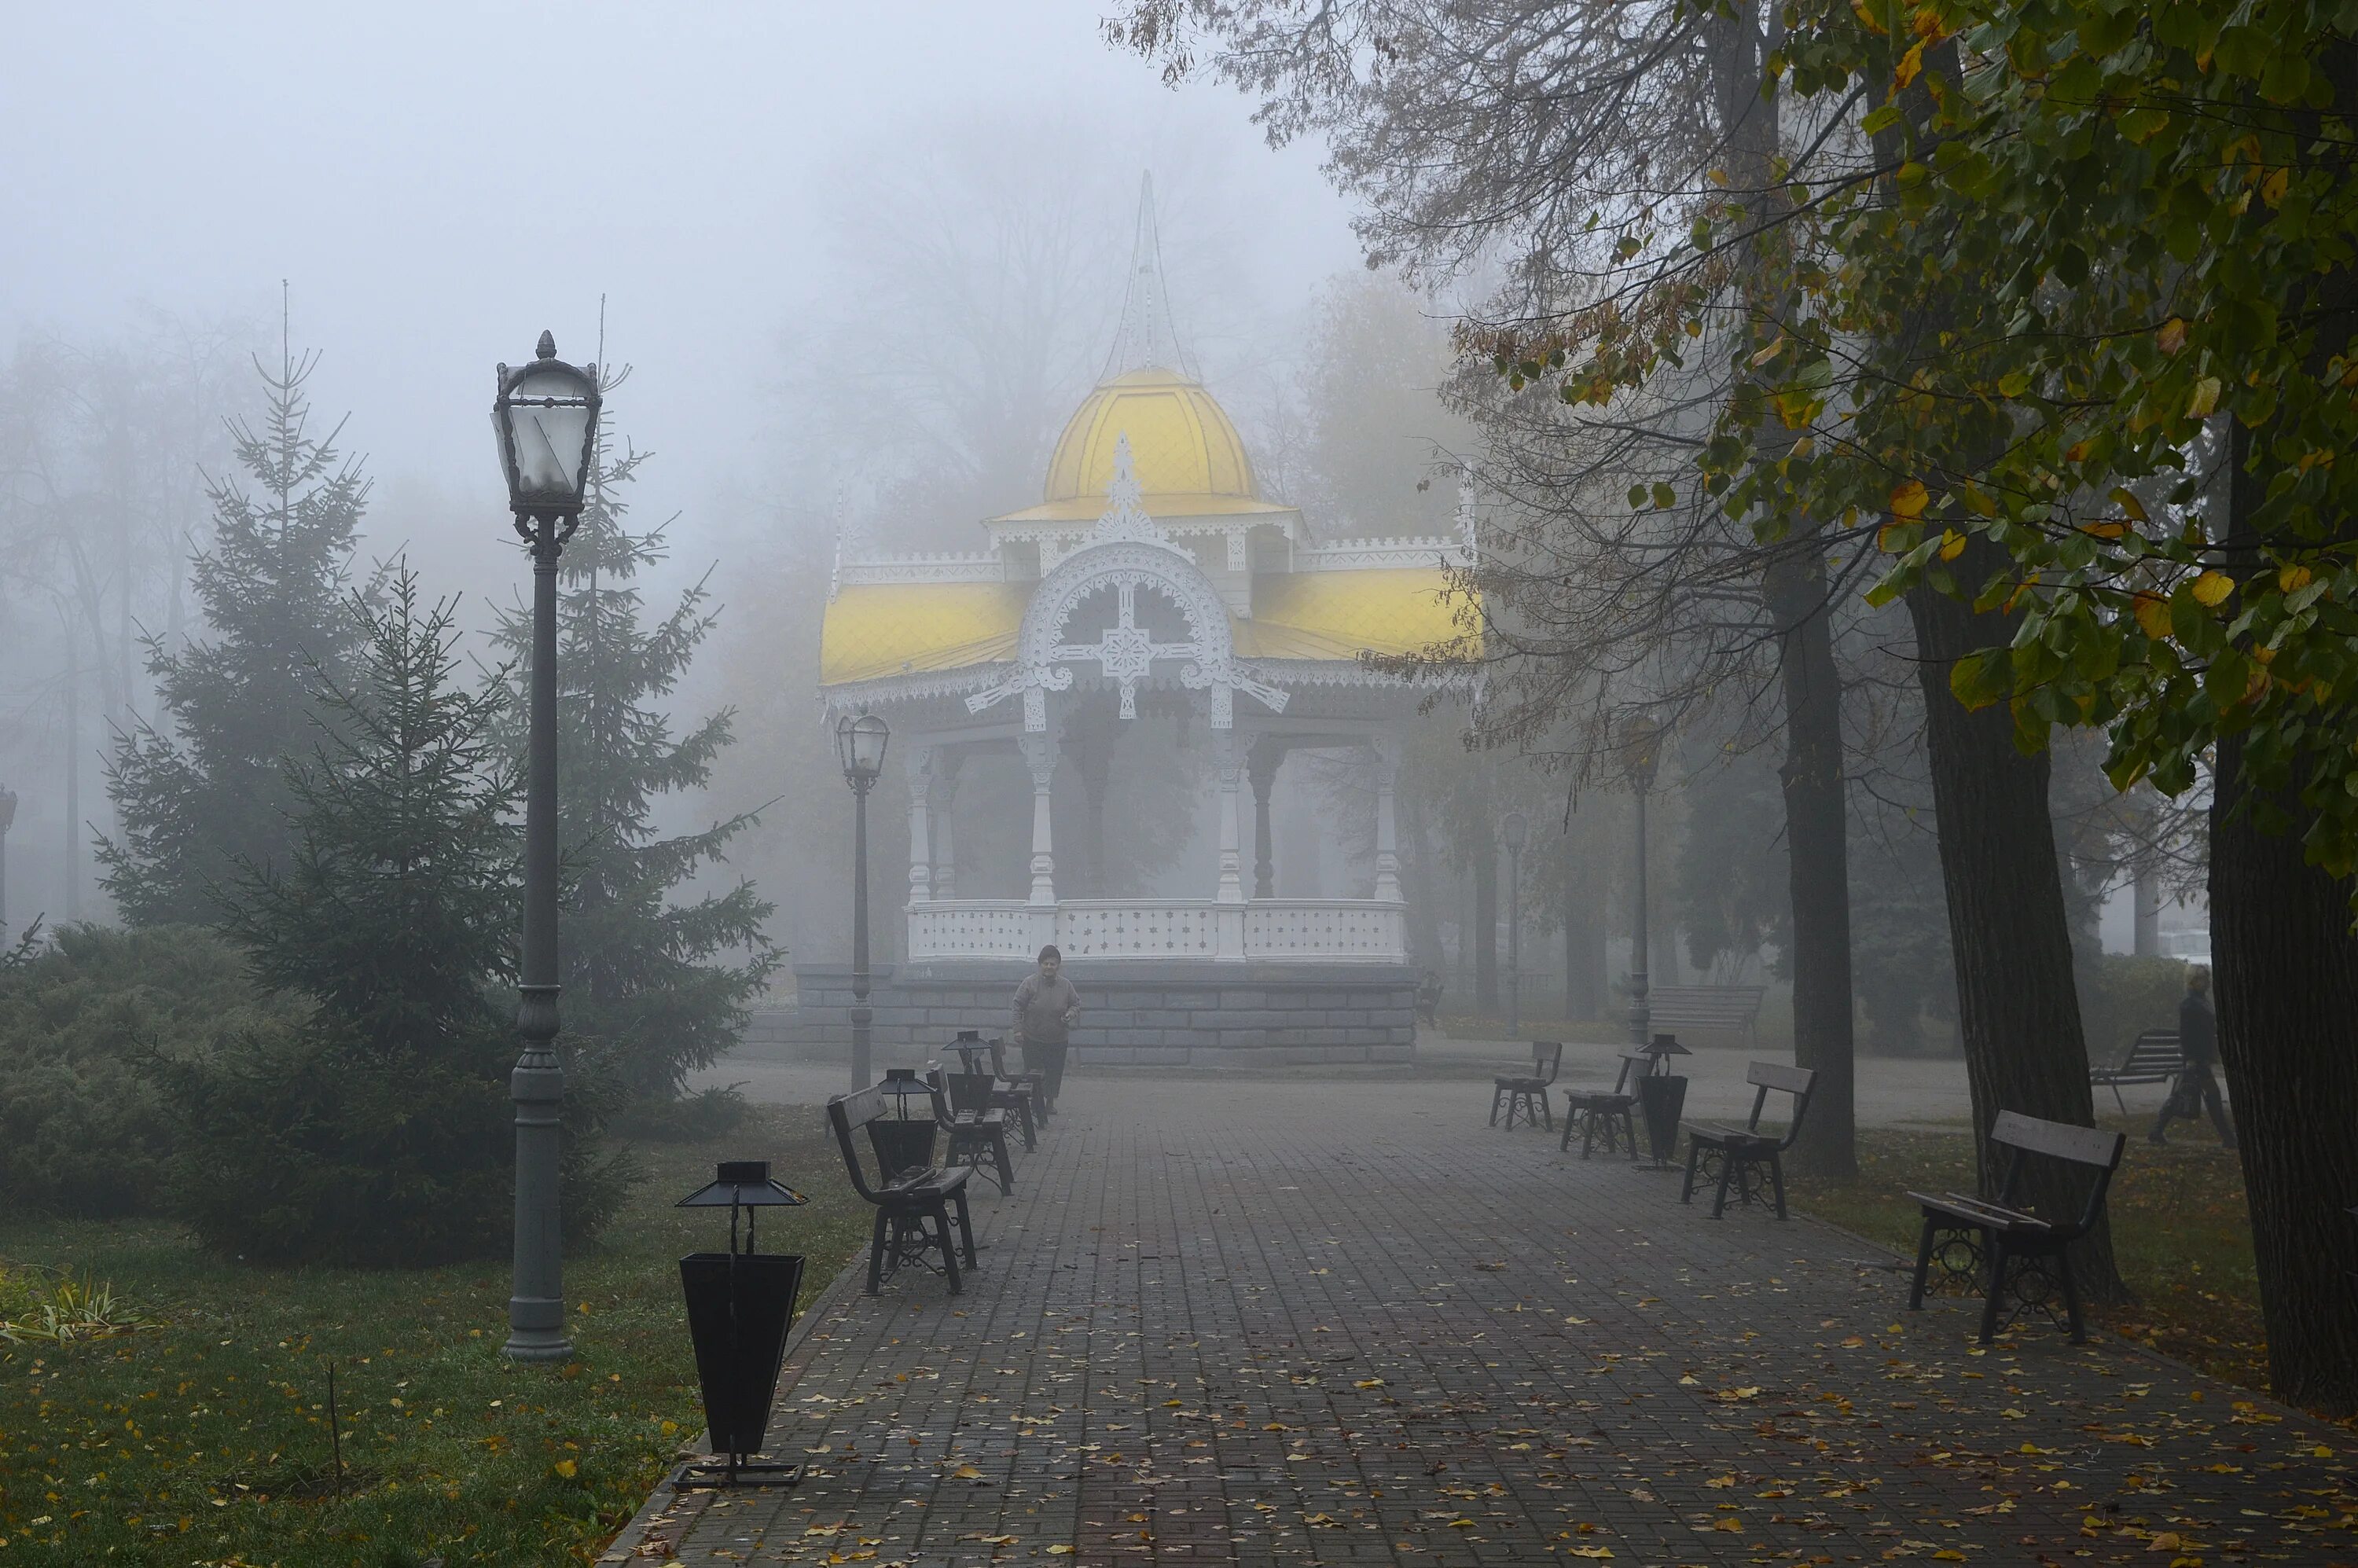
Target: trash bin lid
744 1183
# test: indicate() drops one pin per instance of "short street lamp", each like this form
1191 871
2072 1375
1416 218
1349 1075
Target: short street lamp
547 419
860 742
1640 752
1517 830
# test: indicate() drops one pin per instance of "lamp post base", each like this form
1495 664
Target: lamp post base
537 1344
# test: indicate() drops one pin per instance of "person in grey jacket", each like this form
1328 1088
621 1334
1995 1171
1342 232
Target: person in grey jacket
1045 1005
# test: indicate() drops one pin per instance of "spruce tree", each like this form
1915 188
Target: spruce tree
378 1131
655 987
202 792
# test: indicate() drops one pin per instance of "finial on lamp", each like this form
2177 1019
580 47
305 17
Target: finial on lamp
547 348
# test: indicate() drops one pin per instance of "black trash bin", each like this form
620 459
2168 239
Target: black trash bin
740 1303
1662 1097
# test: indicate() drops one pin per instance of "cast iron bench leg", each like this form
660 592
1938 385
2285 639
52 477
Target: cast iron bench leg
941 1218
966 1224
2072 1298
876 1254
1694 1154
1495 1095
1547 1114
1996 1286
1006 1165
1776 1180
1923 1266
1727 1159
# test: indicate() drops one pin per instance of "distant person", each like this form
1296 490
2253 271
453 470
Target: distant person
2195 1090
1045 1005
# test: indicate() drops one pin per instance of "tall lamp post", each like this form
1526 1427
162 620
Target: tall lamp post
1517 831
1641 751
545 415
860 742
7 820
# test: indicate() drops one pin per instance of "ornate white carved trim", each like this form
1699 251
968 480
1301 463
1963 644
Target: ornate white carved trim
1368 555
1125 517
918 568
1125 652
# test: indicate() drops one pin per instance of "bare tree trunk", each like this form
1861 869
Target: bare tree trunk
1584 983
2288 999
1818 857
1486 920
2017 1012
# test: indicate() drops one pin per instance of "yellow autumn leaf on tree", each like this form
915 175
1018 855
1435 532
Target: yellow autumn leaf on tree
2272 188
2205 399
2292 579
2153 615
2212 587
2172 336
1908 500
1952 544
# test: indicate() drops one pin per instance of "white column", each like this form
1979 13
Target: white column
1388 884
1229 918
920 764
1231 757
1040 756
945 780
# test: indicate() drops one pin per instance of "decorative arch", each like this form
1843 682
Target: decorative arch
1125 652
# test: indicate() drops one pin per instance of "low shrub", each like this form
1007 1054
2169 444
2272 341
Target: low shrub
84 1129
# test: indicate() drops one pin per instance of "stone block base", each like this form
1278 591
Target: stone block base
1135 1013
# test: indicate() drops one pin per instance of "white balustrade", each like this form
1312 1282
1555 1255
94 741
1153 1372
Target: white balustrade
1275 931
1326 930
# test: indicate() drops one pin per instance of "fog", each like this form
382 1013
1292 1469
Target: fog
861 264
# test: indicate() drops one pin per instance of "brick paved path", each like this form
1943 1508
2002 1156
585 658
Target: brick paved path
1221 1324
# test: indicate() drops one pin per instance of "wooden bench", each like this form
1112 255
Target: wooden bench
2153 1057
1740 1152
1428 997
978 1129
2008 1247
1706 1009
1022 1096
1607 1113
913 1210
1528 1089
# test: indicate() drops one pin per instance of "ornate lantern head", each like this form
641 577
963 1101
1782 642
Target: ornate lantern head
860 742
545 417
1517 830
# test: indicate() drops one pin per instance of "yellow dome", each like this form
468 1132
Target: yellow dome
1180 438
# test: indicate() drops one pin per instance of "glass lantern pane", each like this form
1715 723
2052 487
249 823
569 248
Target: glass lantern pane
550 422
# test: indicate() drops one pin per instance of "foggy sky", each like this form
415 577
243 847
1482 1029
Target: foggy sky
441 181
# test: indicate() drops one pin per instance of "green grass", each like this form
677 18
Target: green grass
206 1440
2181 1233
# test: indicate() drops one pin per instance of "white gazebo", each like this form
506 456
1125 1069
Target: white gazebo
1152 581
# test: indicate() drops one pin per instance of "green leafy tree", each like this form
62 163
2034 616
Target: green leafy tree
202 792
378 1131
658 985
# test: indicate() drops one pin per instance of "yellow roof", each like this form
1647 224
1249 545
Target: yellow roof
876 631
1339 615
1182 441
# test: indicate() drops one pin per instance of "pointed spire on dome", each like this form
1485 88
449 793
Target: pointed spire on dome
1147 340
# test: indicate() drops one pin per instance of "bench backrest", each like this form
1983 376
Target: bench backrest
1547 1059
1733 1005
1634 1065
845 1112
2156 1050
959 1092
2090 1147
1796 1081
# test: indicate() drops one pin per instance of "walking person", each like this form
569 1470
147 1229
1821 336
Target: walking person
2195 1090
1045 1005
